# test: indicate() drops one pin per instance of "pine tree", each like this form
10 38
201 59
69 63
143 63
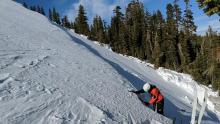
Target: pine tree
172 55
152 36
38 9
186 43
159 41
80 24
189 25
72 25
106 31
58 19
210 7
97 29
25 5
187 50
42 10
115 30
100 32
178 29
50 15
206 68
33 8
148 47
56 16
94 29
177 16
213 65
135 23
65 22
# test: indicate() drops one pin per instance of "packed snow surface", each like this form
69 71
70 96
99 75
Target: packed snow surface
50 75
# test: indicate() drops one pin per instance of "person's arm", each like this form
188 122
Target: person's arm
152 100
145 103
138 92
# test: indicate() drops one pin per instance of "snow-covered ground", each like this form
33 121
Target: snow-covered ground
52 75
187 83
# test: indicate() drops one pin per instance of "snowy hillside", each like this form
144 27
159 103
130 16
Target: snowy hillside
52 75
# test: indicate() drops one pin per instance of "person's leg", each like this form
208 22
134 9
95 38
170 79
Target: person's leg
160 106
154 107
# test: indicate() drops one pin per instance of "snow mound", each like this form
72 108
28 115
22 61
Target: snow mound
181 80
106 46
140 61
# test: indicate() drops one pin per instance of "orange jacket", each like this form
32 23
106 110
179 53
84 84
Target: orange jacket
156 96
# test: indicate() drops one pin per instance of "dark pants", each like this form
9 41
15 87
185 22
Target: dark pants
158 107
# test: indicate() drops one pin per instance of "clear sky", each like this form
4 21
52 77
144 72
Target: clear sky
104 8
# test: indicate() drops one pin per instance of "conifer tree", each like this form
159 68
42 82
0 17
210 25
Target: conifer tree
50 15
33 8
213 69
210 7
65 22
72 25
186 43
25 5
80 24
106 31
38 9
206 68
177 16
135 22
117 38
159 41
148 47
97 29
58 19
56 16
152 39
172 55
188 21
42 10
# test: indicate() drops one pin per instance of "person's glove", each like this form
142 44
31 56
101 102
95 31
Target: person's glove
146 103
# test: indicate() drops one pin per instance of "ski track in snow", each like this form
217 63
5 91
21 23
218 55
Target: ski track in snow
51 75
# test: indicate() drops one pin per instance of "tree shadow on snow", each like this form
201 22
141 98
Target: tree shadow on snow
174 112
171 110
210 116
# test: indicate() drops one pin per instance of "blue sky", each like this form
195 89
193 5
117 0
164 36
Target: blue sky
104 9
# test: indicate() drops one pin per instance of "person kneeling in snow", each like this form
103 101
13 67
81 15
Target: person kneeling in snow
157 99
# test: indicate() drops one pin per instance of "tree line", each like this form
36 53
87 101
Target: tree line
169 41
37 8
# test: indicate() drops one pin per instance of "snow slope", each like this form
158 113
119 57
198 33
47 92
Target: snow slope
52 75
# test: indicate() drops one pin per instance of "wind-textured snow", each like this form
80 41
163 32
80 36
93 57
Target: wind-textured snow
50 75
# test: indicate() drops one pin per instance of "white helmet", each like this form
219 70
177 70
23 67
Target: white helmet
146 87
